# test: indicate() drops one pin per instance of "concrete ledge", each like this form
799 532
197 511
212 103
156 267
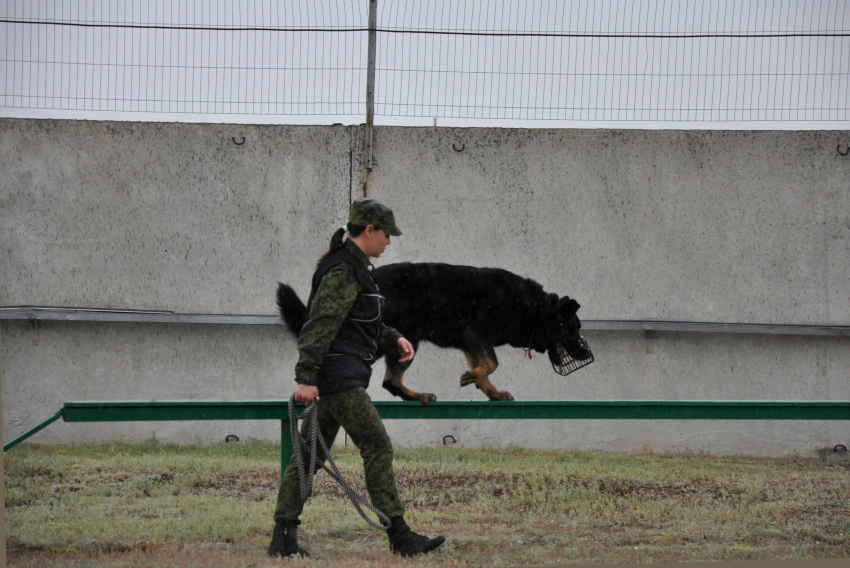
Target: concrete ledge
40 313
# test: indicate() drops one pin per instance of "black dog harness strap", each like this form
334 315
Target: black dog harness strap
349 360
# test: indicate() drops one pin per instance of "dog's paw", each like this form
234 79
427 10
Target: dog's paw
425 398
467 378
502 395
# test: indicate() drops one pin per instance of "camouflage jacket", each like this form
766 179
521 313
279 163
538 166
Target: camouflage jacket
334 298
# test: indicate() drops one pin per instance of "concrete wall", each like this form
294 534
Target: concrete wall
164 216
709 226
699 225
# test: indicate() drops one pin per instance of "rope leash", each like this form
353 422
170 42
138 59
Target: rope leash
306 478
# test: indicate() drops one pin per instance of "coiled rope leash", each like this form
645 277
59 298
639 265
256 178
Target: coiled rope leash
298 442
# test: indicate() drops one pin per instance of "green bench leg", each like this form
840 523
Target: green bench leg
285 445
38 428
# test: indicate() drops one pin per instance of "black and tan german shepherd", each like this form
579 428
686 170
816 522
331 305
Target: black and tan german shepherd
466 308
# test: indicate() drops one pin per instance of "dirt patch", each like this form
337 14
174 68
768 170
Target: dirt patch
682 490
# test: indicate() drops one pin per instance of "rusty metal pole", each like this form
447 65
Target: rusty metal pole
370 82
2 473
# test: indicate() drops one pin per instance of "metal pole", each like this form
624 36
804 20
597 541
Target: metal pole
34 430
2 468
37 314
370 81
286 449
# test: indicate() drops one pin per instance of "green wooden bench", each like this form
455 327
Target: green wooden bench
166 410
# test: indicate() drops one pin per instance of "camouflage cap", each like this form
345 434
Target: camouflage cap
367 211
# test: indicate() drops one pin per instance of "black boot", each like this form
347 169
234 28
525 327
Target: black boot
285 540
405 542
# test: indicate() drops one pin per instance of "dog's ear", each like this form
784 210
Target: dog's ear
568 305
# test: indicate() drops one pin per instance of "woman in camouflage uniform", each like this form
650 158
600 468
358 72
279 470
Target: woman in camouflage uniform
336 347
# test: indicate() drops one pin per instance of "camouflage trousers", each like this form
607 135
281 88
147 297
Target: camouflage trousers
353 410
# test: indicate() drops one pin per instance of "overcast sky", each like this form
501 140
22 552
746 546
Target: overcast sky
781 65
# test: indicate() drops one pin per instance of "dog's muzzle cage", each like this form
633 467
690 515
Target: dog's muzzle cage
567 363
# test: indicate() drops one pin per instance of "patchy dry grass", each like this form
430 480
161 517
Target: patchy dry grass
151 504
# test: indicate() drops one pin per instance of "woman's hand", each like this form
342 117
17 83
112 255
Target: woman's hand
306 394
405 349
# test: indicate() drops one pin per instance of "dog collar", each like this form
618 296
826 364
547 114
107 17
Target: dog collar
529 342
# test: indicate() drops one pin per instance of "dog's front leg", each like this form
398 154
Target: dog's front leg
482 363
394 383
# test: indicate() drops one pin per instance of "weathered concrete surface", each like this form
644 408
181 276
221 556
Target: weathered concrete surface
630 366
723 226
711 226
88 361
59 361
749 227
165 216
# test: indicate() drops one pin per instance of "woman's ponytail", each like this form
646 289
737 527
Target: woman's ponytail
337 240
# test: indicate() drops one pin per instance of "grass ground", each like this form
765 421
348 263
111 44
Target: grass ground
152 504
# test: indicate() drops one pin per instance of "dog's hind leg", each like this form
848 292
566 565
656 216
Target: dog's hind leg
394 380
482 363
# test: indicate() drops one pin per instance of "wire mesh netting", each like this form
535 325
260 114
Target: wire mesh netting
187 56
626 60
613 60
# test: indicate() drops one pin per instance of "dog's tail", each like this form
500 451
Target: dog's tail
292 309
